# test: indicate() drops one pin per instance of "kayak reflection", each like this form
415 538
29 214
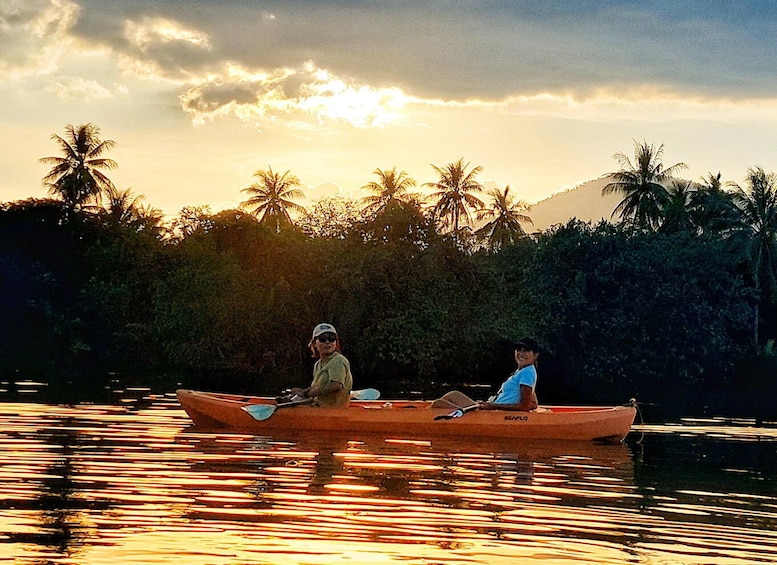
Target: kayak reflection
304 479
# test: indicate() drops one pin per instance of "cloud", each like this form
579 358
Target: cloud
432 49
161 31
299 95
42 38
33 35
161 47
309 63
77 88
635 104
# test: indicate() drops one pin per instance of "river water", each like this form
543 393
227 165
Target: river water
131 482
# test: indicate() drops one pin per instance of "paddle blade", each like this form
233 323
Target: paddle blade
263 411
260 411
365 394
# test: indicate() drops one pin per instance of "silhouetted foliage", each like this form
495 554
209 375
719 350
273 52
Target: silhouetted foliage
652 314
453 197
77 175
273 197
642 184
505 215
666 313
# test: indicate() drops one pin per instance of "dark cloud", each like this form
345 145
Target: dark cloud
24 33
210 97
475 49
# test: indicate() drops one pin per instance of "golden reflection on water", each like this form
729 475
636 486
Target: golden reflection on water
120 484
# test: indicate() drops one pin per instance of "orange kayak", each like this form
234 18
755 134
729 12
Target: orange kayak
412 418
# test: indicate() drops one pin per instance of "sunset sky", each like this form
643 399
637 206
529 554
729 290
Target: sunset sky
199 94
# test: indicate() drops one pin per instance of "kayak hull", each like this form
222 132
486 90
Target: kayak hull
413 419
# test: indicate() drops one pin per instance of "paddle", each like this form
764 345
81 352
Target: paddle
263 411
365 394
458 413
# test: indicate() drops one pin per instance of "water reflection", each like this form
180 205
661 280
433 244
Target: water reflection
447 495
134 483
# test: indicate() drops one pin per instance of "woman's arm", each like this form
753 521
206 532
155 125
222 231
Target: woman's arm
525 405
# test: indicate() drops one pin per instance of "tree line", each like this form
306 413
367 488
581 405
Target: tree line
675 303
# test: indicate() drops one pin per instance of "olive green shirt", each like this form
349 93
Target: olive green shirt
335 369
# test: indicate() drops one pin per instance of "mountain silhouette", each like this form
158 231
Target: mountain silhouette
584 202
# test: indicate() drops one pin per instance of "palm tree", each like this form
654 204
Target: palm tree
712 207
758 209
77 176
390 191
453 196
676 209
642 184
272 198
125 209
506 217
122 206
712 182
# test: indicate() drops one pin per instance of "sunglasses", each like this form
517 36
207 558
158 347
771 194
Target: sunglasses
327 338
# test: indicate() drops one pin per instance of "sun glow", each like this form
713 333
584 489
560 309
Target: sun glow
297 95
361 106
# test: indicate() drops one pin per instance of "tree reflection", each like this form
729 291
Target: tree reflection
59 504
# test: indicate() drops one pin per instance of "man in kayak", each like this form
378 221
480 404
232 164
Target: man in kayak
332 379
516 393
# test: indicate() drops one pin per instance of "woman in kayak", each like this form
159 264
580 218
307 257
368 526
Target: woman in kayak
332 379
516 393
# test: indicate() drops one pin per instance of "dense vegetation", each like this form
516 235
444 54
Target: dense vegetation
675 304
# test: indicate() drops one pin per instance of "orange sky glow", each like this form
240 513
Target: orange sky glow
540 97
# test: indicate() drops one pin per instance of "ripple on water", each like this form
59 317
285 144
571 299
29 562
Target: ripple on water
118 483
